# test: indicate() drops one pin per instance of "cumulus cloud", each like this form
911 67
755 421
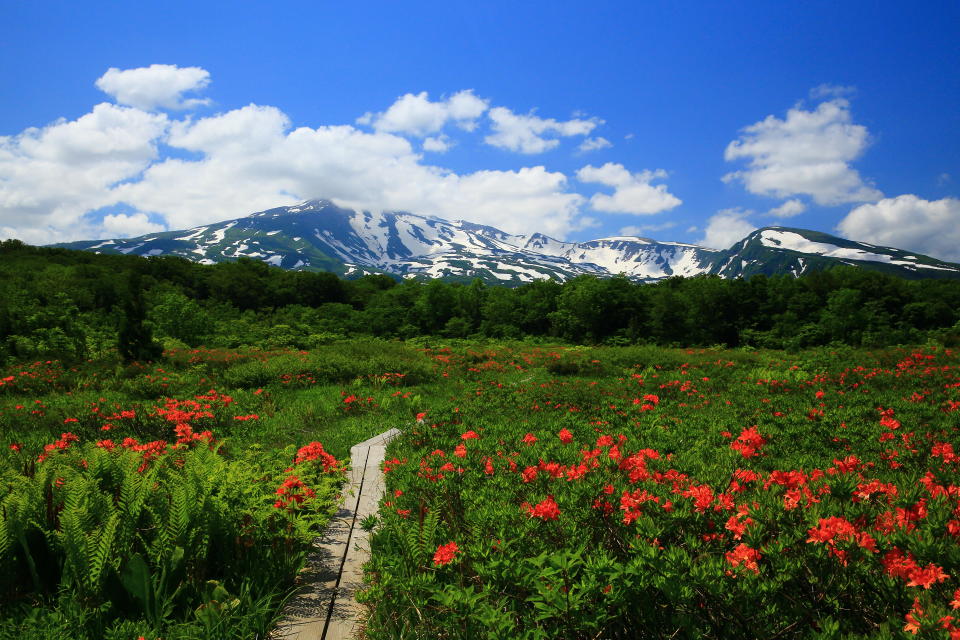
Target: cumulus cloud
632 193
416 115
58 181
251 159
529 133
51 176
156 86
122 225
437 144
727 227
930 227
788 209
593 144
808 153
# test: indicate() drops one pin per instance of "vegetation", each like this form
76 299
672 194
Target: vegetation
626 489
58 303
649 493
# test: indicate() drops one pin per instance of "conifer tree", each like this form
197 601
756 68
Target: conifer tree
135 340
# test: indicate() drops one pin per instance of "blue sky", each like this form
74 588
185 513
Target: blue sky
683 121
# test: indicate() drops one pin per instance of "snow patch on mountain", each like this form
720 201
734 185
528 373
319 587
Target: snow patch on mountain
780 239
319 235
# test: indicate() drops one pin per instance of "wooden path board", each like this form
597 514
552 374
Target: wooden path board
325 607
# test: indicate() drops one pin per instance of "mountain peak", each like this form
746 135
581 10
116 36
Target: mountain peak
318 235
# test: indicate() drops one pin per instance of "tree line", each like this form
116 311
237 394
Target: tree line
73 304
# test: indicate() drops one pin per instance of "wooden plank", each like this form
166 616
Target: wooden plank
325 607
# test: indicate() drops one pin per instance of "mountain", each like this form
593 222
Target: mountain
317 235
774 250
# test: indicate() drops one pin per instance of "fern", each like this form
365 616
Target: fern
6 527
427 532
178 517
73 534
134 491
99 558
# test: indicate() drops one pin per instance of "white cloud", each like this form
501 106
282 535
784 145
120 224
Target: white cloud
416 115
633 192
641 229
807 153
725 228
527 133
930 227
58 181
788 209
437 144
593 144
127 226
159 85
51 176
251 159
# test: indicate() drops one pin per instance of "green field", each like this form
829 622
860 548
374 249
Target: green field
536 491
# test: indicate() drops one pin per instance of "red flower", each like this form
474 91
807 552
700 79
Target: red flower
748 443
565 436
445 554
529 438
293 492
470 435
830 528
529 474
898 565
744 556
736 527
315 451
545 510
913 624
926 577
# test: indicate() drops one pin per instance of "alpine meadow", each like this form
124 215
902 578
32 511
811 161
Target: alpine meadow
500 321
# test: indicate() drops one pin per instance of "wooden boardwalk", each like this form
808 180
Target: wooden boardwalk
325 607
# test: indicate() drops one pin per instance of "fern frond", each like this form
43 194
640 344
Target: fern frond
99 553
5 537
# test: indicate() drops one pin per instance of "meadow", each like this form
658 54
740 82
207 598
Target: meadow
537 491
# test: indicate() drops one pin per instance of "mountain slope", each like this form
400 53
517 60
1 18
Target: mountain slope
774 250
320 236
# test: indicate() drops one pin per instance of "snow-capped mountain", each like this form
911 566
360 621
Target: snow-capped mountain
774 250
320 236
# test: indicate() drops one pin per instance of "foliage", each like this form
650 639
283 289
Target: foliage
707 494
187 536
68 305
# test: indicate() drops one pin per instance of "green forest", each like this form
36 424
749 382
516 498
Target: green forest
65 304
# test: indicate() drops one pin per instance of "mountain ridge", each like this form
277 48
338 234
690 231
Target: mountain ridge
318 235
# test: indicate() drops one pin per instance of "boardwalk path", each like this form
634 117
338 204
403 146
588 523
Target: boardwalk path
325 608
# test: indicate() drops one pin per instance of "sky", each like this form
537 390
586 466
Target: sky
683 121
